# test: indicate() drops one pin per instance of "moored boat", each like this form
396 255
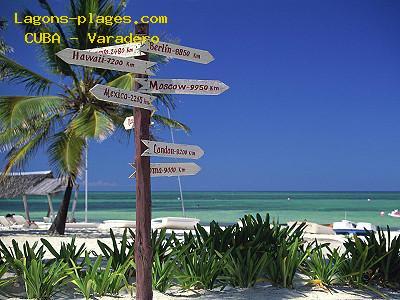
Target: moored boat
348 227
395 213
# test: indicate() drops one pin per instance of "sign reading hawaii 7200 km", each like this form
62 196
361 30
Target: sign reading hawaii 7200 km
124 97
181 86
177 51
172 150
108 62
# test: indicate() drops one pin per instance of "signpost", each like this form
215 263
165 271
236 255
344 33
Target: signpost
129 123
102 61
116 58
172 150
143 251
182 86
171 169
178 51
123 50
121 96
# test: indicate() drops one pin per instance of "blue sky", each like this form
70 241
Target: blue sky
313 103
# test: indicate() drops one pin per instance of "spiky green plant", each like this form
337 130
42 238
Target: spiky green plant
43 281
68 251
120 254
28 252
324 270
65 121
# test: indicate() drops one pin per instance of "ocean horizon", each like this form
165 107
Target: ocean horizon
226 207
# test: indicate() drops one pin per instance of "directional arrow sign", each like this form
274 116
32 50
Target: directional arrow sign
177 51
129 123
181 86
124 50
108 62
171 169
172 150
124 97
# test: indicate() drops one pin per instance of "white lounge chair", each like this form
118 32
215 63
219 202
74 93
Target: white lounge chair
19 220
174 223
4 222
107 224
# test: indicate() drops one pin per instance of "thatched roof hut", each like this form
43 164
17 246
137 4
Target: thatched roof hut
31 183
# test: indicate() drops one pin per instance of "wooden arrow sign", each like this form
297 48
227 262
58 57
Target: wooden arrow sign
181 86
123 50
172 150
129 123
124 97
171 169
108 62
177 51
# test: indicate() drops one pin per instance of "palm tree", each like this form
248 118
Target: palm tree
64 121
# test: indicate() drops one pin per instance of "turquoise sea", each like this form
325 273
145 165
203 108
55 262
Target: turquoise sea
227 207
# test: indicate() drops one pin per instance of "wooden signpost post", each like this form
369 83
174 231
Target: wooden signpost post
178 51
143 251
182 86
102 61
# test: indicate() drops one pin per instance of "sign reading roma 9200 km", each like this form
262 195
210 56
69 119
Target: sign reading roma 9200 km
172 150
102 61
181 86
121 96
171 169
177 51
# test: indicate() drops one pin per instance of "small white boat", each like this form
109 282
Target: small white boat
348 227
395 214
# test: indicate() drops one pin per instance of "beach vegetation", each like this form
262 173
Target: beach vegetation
163 271
324 270
42 281
69 252
95 279
122 253
14 254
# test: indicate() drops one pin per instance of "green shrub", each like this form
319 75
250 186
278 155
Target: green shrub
98 280
163 272
5 281
121 255
199 269
69 252
42 281
324 271
285 261
28 252
243 268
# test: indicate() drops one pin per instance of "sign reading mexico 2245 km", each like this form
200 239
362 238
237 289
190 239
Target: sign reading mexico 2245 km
171 169
121 96
102 61
172 150
177 51
181 86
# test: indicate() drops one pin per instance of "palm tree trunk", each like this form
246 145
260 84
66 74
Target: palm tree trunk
59 222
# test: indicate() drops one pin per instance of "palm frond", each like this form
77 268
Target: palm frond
164 121
15 110
92 123
14 72
65 153
25 148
